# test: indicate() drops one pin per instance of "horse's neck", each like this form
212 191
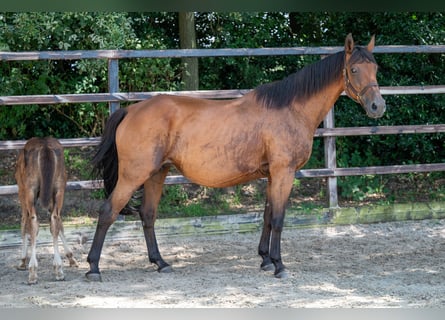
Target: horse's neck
317 107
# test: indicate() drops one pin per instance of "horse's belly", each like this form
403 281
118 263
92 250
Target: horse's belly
217 181
219 176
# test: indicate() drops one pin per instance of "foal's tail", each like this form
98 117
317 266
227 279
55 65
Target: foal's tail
47 160
105 161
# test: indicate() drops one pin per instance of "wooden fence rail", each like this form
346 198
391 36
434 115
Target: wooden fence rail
328 133
208 94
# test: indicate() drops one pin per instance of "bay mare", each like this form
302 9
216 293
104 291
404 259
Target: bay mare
266 133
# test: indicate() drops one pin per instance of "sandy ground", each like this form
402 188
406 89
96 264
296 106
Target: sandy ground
382 265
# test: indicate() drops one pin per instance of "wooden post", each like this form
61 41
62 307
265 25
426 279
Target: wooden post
187 40
113 82
113 87
330 154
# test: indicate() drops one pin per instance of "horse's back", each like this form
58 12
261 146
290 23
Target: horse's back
167 120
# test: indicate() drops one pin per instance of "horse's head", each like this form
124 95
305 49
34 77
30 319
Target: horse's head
360 74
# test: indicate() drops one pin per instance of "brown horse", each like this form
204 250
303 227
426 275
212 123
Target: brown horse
40 174
266 133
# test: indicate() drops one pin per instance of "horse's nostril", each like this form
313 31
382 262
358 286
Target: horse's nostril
374 107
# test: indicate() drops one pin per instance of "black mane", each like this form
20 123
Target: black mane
308 81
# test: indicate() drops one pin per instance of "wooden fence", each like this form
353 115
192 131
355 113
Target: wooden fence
328 132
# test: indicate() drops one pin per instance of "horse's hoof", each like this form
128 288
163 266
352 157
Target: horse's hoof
94 277
268 267
166 269
282 274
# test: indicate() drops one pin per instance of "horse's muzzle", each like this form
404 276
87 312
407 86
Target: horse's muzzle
376 108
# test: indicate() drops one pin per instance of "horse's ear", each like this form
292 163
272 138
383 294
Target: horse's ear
371 43
349 44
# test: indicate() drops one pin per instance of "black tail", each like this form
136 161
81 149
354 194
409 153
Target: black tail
105 161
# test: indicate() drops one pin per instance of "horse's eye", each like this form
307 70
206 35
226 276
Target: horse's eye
354 70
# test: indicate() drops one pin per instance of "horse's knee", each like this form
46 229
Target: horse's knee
277 224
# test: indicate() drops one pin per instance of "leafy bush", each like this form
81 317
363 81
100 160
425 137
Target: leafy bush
42 31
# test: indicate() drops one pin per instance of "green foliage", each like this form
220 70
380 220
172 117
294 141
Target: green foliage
42 31
173 198
359 187
244 30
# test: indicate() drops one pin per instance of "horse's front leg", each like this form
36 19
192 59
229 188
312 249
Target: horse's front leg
263 248
280 187
152 195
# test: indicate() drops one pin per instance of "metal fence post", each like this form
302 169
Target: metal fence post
330 154
113 82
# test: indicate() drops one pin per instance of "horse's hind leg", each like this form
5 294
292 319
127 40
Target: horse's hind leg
25 238
107 215
29 228
57 231
24 224
33 231
67 249
56 228
152 195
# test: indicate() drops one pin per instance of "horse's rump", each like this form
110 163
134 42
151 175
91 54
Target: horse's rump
41 167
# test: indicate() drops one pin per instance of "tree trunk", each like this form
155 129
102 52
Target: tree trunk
187 39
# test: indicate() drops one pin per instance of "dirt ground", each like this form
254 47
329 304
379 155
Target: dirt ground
396 265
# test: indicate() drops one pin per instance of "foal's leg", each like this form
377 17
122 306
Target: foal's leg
152 195
55 228
29 228
24 231
33 224
66 247
24 224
